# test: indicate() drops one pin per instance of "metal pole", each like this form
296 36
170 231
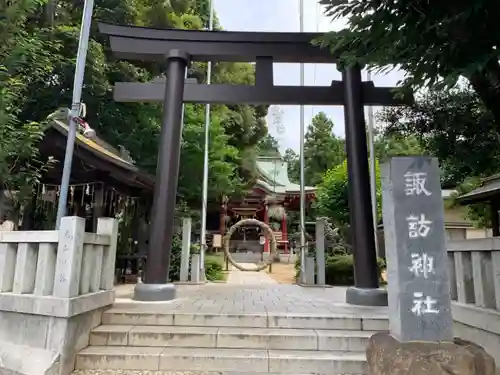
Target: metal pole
373 176
75 107
205 161
302 164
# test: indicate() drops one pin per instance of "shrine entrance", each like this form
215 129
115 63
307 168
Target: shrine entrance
177 49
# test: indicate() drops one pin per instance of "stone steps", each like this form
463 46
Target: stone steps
221 360
170 339
230 338
130 317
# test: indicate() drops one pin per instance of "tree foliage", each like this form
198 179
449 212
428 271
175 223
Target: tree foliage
434 42
20 164
293 163
268 146
44 52
332 198
322 149
453 126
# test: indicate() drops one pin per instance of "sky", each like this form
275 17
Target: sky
283 15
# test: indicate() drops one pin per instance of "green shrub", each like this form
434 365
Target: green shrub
213 269
339 269
175 258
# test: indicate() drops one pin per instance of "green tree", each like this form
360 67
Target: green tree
45 69
453 126
20 163
332 198
433 42
268 146
395 144
322 149
293 163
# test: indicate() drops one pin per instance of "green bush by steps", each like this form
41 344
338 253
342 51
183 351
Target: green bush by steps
339 269
213 269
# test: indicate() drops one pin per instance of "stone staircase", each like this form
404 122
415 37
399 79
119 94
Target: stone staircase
291 343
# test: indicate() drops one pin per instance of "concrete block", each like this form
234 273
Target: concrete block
116 335
87 268
221 320
118 358
173 336
313 321
25 273
265 338
8 254
127 317
69 257
195 268
108 226
214 359
14 360
96 272
347 341
310 274
302 361
186 248
45 269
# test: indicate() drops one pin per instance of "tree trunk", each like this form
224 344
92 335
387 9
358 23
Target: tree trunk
486 83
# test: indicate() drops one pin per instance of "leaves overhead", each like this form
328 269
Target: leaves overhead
433 42
42 40
453 126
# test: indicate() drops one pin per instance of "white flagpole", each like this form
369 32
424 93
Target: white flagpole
205 160
373 177
81 58
302 177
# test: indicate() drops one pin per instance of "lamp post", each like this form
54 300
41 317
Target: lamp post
75 107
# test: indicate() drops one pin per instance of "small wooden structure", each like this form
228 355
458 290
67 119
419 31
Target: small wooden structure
489 193
105 182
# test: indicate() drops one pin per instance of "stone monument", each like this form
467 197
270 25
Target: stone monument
413 213
420 340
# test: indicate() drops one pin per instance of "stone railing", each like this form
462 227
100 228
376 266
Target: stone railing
54 286
66 263
474 267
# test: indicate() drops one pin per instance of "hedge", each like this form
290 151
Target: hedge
339 269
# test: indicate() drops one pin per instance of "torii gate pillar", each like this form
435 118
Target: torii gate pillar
157 286
366 290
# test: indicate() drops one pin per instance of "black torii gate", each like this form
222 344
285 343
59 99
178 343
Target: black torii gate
178 48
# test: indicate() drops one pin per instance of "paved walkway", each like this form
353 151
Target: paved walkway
256 299
249 278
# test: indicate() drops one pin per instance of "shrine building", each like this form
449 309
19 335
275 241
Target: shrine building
270 200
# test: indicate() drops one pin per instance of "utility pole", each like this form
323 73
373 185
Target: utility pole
81 58
205 160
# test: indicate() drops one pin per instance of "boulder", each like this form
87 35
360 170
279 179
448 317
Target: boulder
388 356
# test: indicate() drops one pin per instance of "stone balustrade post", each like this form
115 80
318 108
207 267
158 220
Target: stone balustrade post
69 257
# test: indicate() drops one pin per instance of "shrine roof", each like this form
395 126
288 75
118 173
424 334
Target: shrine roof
114 163
273 177
489 189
